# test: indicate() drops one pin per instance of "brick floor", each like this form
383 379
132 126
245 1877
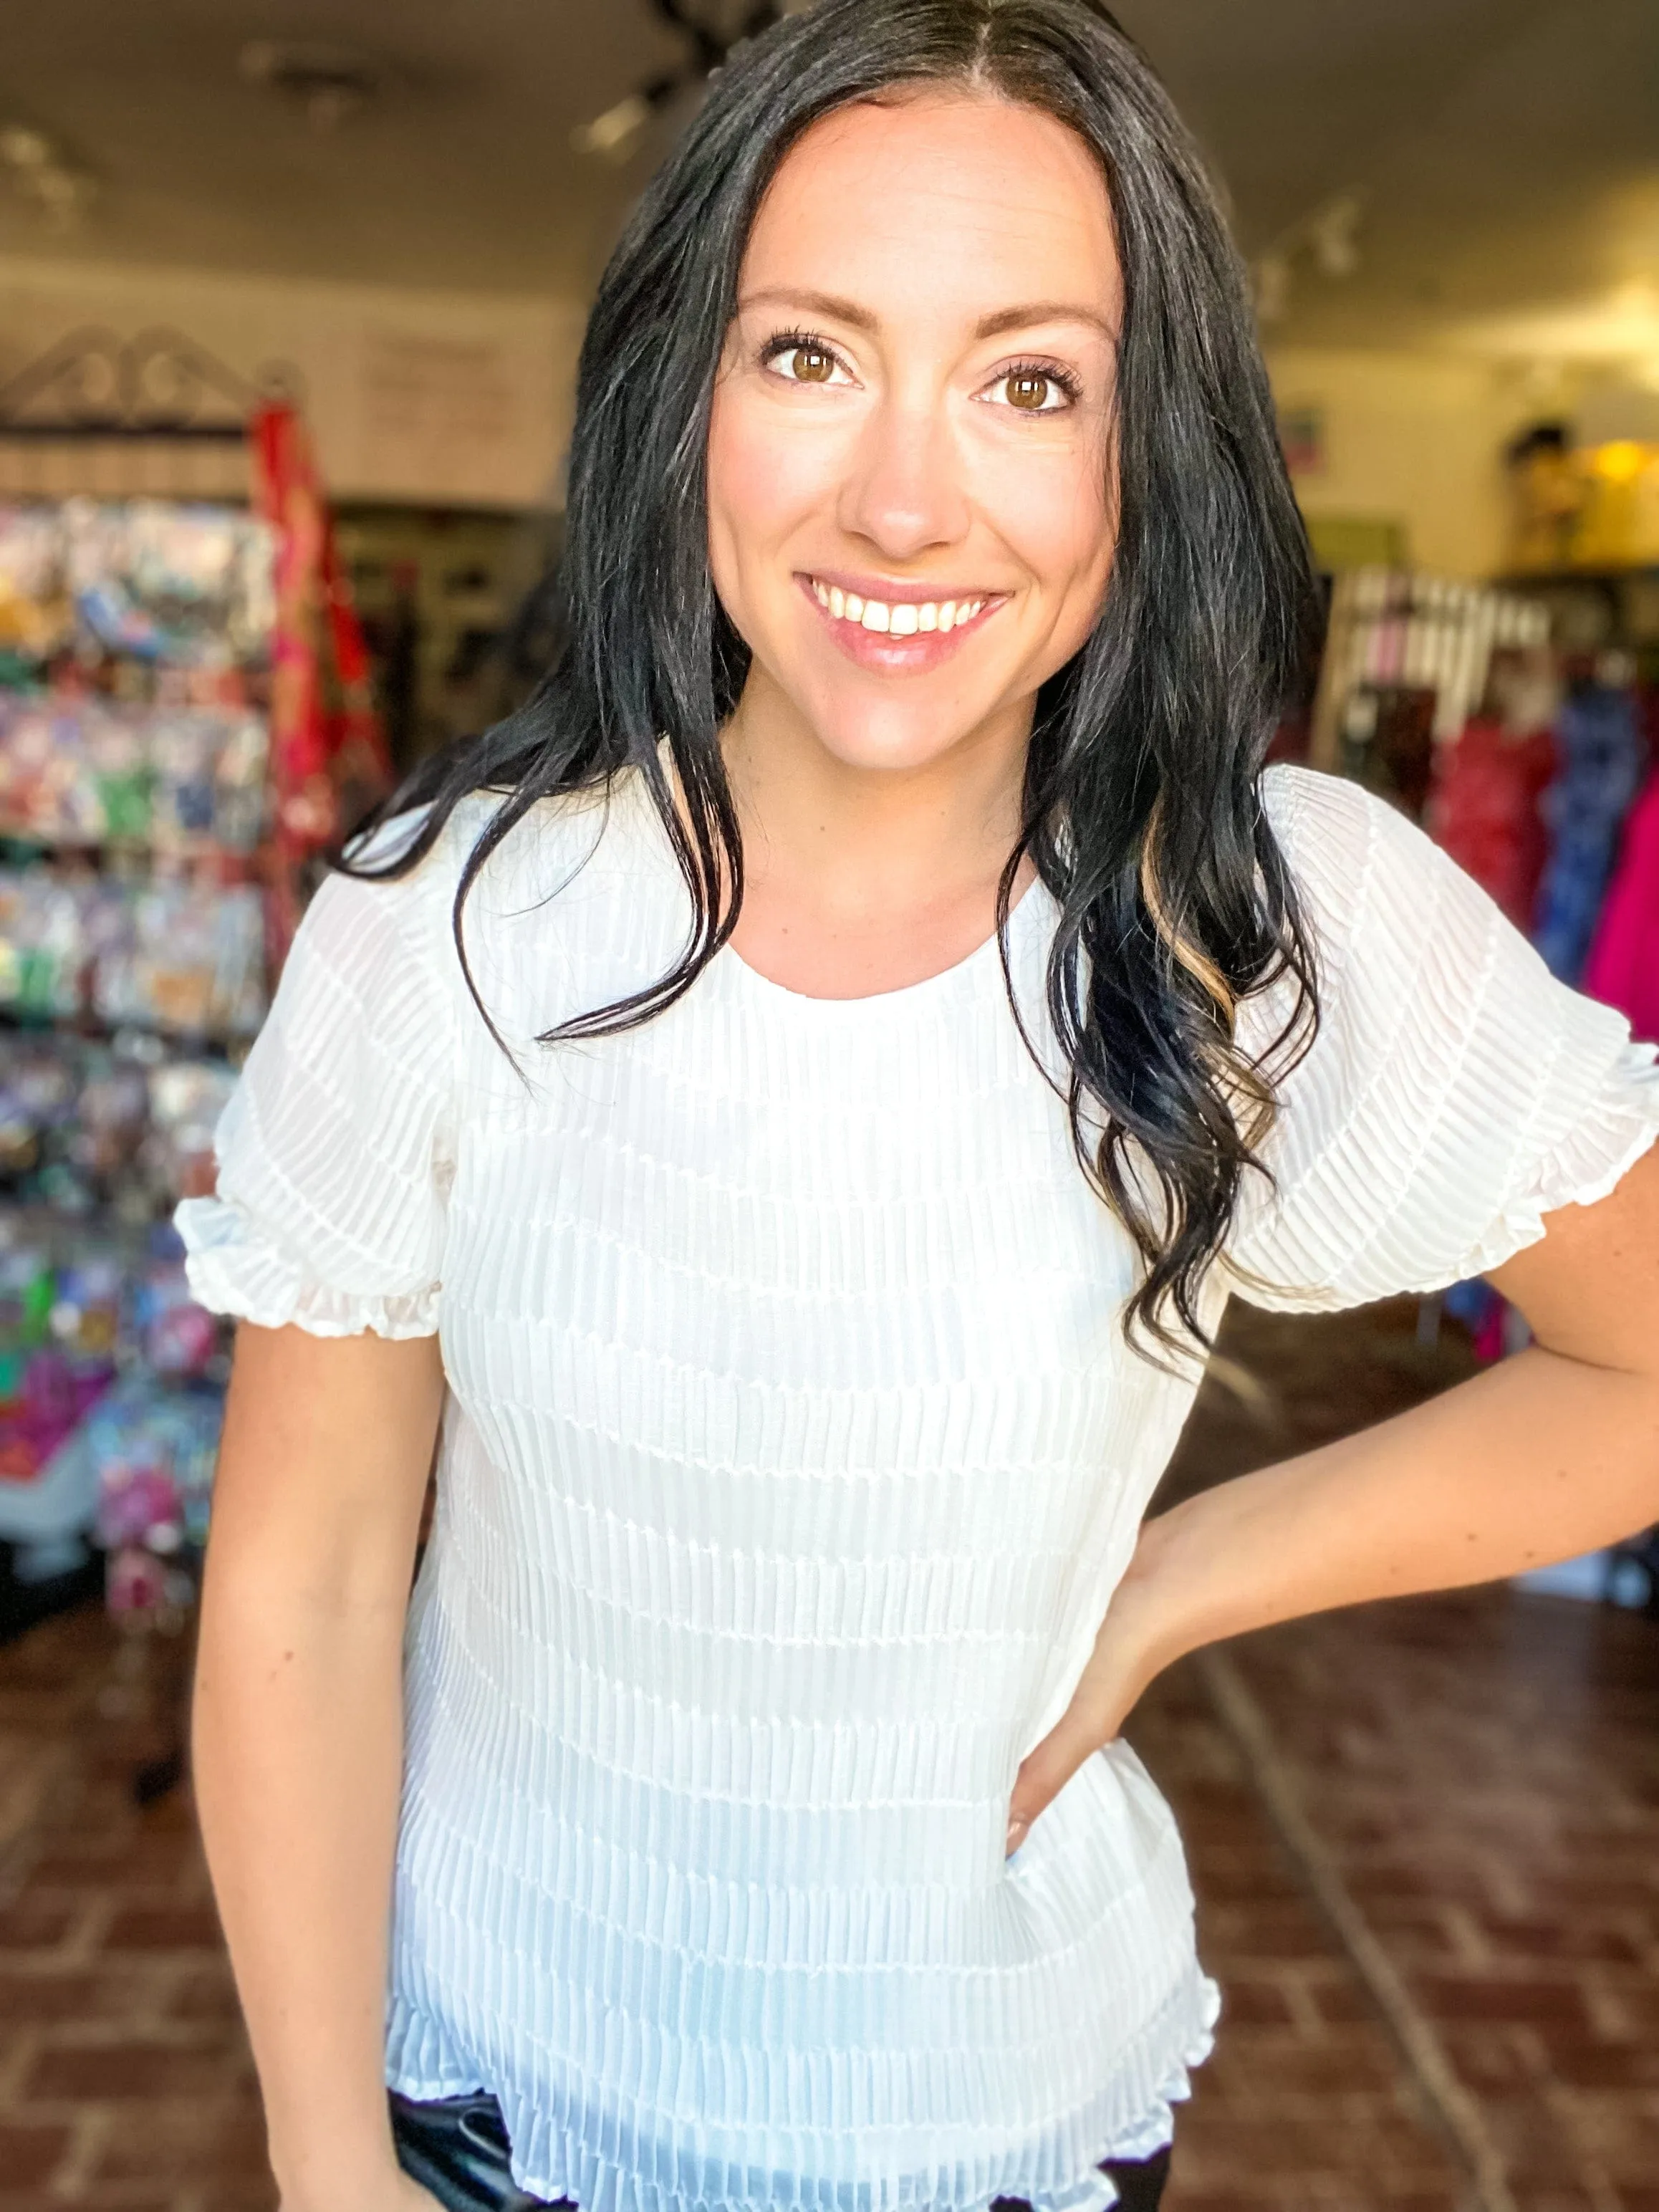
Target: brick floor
1485 1770
1480 1771
1304 2106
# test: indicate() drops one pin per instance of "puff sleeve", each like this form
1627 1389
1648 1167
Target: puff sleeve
336 1149
1455 1092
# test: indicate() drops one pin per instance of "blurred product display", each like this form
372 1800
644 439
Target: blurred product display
169 953
1601 758
86 770
140 858
185 722
1517 723
1623 966
1406 661
111 1383
1592 505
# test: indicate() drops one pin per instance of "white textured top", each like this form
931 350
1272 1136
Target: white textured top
791 1454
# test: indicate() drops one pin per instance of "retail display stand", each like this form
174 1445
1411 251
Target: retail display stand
1405 665
185 725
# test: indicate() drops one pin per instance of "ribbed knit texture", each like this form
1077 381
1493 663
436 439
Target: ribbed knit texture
792 1455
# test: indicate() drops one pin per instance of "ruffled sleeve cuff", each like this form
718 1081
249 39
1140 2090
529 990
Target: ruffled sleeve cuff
233 1268
1619 1125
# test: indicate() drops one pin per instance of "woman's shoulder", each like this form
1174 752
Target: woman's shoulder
577 901
1354 859
1324 822
596 839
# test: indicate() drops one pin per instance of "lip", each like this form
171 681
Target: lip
880 650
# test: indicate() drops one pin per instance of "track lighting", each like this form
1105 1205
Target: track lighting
1328 240
614 136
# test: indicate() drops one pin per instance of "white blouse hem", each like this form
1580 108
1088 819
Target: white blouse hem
550 2161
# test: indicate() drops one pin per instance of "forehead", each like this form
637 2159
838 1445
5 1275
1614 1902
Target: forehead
949 202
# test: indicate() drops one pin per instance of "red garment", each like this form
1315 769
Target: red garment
1483 810
326 741
1623 968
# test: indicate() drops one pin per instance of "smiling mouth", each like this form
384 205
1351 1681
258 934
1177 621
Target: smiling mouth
899 617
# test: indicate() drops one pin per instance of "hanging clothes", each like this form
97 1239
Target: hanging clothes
1602 757
329 756
1484 810
1623 968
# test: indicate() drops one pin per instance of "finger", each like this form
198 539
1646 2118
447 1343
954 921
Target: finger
1045 1769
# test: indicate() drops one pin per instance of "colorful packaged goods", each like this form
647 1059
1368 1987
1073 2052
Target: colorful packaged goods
135 651
172 954
86 770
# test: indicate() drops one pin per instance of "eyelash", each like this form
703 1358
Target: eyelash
787 340
1051 371
784 342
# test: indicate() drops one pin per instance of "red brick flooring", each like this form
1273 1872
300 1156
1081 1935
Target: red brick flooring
125 2081
1474 1781
1304 2106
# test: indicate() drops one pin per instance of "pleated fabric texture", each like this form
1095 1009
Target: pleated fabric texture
791 1455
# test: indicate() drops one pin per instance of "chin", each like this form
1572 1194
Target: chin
894 734
896 742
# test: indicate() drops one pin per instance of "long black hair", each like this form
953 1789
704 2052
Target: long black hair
1141 807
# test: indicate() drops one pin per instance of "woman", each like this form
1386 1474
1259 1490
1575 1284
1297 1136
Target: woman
786 1113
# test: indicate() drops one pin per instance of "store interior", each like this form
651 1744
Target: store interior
289 308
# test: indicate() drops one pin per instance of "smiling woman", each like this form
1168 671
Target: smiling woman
914 487
785 1115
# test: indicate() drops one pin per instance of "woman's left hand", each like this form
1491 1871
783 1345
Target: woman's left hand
1130 1648
1552 1453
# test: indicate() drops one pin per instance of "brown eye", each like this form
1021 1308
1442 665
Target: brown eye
1028 389
811 364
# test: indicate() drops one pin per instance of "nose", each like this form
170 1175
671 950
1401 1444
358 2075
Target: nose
904 493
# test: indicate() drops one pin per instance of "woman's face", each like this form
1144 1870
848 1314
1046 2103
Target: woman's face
910 458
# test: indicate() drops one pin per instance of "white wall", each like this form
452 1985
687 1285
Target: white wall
465 398
433 397
1409 437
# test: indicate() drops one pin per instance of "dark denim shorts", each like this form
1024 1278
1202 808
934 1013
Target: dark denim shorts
457 2148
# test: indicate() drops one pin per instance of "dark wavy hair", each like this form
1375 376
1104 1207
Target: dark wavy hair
1141 807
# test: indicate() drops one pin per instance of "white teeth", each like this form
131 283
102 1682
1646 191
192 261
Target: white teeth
902 618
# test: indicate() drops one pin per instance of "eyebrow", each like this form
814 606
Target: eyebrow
988 326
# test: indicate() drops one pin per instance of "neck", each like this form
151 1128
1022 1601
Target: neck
861 878
850 835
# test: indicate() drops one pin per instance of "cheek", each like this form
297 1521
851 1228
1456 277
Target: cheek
766 476
1051 506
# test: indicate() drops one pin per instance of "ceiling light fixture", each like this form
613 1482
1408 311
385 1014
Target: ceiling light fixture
1327 241
614 136
42 172
328 83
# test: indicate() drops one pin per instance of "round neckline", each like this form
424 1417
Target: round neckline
904 995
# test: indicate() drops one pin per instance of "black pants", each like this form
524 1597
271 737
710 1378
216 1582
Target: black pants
458 2149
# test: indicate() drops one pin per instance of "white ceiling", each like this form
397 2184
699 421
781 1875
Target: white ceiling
1507 150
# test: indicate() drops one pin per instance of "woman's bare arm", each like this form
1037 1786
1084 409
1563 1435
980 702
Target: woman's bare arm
1553 1453
298 1730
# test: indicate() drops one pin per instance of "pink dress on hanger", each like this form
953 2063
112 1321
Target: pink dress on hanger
1623 968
